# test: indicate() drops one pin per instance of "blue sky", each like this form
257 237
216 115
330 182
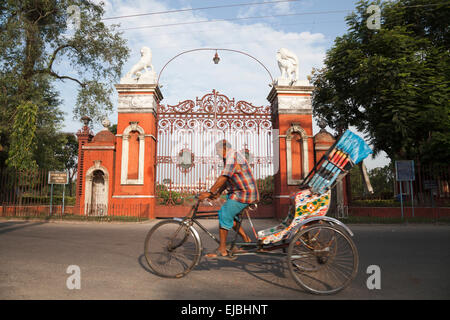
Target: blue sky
307 28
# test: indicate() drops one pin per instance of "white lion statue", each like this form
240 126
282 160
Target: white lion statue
143 64
288 64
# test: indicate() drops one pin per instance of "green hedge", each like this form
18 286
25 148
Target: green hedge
178 198
69 201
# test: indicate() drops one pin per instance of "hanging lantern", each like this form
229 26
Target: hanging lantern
216 58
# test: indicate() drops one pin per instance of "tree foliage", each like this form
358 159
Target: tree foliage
393 83
66 154
381 179
23 137
38 48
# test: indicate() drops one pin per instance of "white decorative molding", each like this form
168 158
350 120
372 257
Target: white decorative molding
98 147
291 100
296 128
145 135
126 149
137 103
294 104
319 147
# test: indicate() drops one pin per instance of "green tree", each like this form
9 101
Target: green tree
36 49
48 120
67 155
393 83
23 137
382 180
356 183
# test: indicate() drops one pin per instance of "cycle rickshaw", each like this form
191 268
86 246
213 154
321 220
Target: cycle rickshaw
321 255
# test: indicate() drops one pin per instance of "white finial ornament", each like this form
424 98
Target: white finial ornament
106 123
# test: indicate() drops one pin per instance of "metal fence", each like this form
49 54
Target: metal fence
431 188
137 212
432 184
24 187
26 194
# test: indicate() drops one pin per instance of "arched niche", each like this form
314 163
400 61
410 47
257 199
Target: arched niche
296 134
124 178
97 190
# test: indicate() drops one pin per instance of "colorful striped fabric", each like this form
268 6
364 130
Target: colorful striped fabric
349 150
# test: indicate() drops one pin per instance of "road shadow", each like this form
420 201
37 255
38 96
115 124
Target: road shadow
144 265
272 271
10 226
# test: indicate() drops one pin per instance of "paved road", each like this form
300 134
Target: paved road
34 257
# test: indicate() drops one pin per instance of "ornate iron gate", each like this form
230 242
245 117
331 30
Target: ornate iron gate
188 132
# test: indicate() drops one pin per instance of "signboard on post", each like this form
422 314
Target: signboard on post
57 177
404 171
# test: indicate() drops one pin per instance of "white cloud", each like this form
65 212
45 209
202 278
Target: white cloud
194 74
282 8
265 10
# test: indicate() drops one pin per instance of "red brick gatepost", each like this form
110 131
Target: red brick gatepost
135 163
293 148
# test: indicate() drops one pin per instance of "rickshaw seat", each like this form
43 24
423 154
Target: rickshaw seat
304 204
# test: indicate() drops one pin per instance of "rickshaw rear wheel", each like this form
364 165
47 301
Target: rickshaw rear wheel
322 259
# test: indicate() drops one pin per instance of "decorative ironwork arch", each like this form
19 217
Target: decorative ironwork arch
196 126
214 111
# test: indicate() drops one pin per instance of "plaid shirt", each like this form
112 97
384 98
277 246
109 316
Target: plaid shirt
241 184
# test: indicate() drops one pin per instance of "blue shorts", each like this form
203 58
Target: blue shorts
228 212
